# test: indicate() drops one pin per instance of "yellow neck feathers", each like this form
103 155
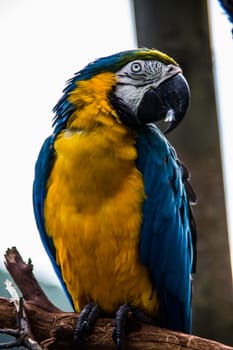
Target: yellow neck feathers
93 114
91 100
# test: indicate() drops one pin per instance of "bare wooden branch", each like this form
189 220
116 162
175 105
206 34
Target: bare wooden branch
53 329
26 281
23 335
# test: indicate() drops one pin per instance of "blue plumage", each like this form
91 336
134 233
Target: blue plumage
166 237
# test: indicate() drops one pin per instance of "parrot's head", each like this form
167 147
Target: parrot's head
143 86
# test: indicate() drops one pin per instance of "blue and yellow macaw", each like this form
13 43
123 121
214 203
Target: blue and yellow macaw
111 199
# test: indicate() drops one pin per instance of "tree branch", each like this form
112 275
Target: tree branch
26 281
53 329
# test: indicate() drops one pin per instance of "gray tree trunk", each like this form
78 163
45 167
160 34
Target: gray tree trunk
180 28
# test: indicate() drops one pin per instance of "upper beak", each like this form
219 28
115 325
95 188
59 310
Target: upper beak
169 101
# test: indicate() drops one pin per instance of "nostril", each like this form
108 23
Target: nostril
171 69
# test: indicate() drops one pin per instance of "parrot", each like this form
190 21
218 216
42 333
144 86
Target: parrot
112 201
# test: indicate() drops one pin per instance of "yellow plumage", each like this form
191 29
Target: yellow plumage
93 205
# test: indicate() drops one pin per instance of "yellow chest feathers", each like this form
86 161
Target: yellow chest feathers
93 214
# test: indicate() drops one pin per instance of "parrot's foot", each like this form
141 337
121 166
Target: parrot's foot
86 321
122 315
118 333
91 312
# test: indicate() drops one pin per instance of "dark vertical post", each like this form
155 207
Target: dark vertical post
180 28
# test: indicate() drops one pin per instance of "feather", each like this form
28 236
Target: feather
166 235
43 168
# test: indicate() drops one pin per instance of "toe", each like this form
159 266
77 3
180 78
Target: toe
86 321
119 333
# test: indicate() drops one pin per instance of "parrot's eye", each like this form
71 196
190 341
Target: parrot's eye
136 67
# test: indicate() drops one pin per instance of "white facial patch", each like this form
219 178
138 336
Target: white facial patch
136 77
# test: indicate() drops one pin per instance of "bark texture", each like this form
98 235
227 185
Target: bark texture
52 329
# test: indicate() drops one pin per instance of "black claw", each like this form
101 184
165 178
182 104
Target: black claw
92 316
119 334
119 344
86 321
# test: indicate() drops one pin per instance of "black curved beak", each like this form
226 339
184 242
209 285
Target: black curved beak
169 102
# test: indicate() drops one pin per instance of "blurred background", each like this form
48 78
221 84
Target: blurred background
43 43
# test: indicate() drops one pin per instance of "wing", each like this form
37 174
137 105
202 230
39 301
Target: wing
43 168
167 233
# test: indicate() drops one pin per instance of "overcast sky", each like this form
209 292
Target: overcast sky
42 44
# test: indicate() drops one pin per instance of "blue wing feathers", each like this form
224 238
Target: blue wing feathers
165 242
43 168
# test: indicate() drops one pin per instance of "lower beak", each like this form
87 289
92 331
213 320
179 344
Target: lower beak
169 102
